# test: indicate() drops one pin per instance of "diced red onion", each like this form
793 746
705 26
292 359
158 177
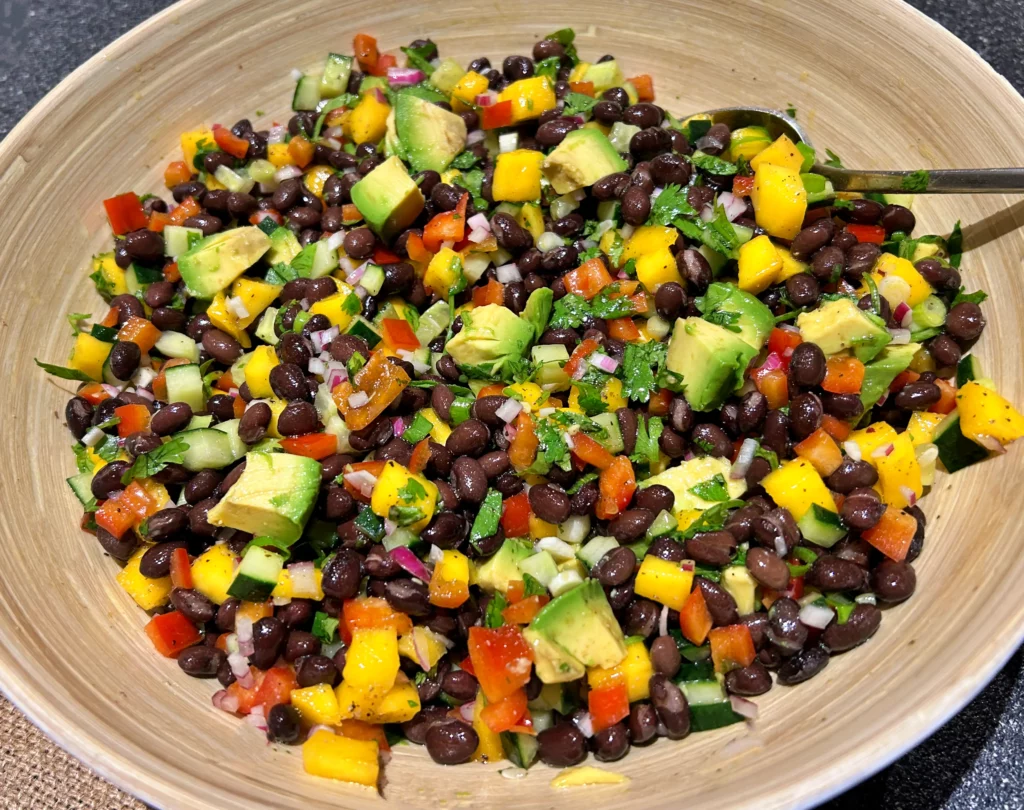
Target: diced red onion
256 720
466 710
316 366
226 702
332 132
689 456
410 563
991 443
707 213
379 95
448 243
243 629
900 337
510 432
579 119
883 450
509 409
304 304
287 173
909 494
389 527
419 646
403 77
358 399
743 707
419 366
303 577
92 437
584 724
788 327
688 565
603 361
852 450
570 442
475 137
780 543
237 307
361 292
816 616
508 273
772 362
734 206
479 221
478 235
335 241
579 371
435 555
903 314
355 275
322 339
233 393
508 142
142 377
239 664
331 143
335 376
485 99
276 134
142 392
663 621
743 460
363 481
112 390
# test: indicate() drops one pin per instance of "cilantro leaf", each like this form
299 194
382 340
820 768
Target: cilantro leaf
590 398
973 298
639 369
487 518
713 489
148 464
465 160
281 273
412 491
553 450
711 164
955 245
617 249
324 627
840 203
578 104
605 306
419 57
548 67
492 617
75 319
63 372
104 286
582 481
647 435
589 253
533 586
570 311
669 205
711 520
768 455
566 37
791 111
916 182
344 100
718 233
833 160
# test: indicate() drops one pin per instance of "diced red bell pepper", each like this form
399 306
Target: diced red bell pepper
313 445
893 534
158 220
176 172
93 393
947 400
491 293
504 714
588 279
516 591
515 515
125 213
616 485
398 334
133 419
136 498
172 273
732 647
276 688
247 696
496 116
381 255
592 452
371 612
114 516
836 428
375 468
903 378
742 185
795 590
301 151
782 342
524 610
238 407
467 665
416 250
502 660
585 88
867 233
111 318
365 49
821 450
231 143
843 375
181 569
491 390
448 226
644 85
187 208
608 706
623 329
384 61
420 456
171 633
140 332
660 402
523 449
695 618
579 356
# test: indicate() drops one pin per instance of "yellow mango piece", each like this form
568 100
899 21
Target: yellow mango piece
790 266
277 406
489 749
430 644
531 395
257 371
278 154
285 587
113 275
635 671
443 270
663 581
315 179
212 573
782 153
648 239
255 295
89 355
529 97
759 265
368 122
871 438
328 755
148 594
747 143
318 705
983 412
611 394
466 90
358 703
400 704
650 247
584 775
541 528
899 471
890 265
608 243
440 430
532 218
372 660
655 269
401 490
796 486
517 176
226 320
190 142
780 200
579 71
921 427
741 586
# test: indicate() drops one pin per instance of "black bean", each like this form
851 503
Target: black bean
202 486
670 704
201 661
268 637
562 746
805 412
897 218
515 68
485 409
715 140
643 723
720 603
120 548
636 205
549 503
803 290
297 418
171 418
826 261
107 480
893 581
767 568
78 416
862 508
695 269
300 644
252 427
296 613
965 321
711 548
785 630
859 627
669 300
842 406
945 350
655 498
610 187
469 479
711 440
156 562
221 346
832 573
552 133
451 742
584 501
861 258
748 681
643 115
226 613
284 724
641 618
665 657
509 234
812 238
342 574
851 475
615 567
408 596
802 666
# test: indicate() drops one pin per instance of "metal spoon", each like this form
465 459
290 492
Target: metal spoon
940 181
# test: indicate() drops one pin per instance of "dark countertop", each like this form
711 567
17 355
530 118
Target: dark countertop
973 762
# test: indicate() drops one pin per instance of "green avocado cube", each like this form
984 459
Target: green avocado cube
388 198
840 325
218 260
491 337
880 372
430 136
581 159
580 627
709 359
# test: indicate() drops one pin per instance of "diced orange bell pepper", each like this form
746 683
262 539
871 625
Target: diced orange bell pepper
608 705
111 318
277 686
695 618
416 250
187 208
370 612
836 428
247 696
254 611
774 385
350 213
230 143
732 647
133 419
491 390
617 485
312 445
660 402
381 380
448 226
420 456
588 279
374 468
497 115
491 293
516 591
93 393
158 220
585 88
171 272
821 450
381 255
623 329
644 85
384 61
903 378
524 610
867 233
361 730
171 633
365 49
843 375
515 515
114 516
947 400
176 172
592 452
522 450
398 334
893 534
301 151
742 185
502 660
181 569
125 213
140 332
505 713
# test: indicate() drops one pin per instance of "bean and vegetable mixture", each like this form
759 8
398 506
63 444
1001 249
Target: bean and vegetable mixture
500 411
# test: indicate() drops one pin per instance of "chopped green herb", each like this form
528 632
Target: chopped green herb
711 164
974 298
488 517
833 160
714 489
670 205
149 464
955 245
324 627
639 369
916 182
64 373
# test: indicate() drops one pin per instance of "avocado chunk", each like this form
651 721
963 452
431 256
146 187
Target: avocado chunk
710 360
538 310
219 259
604 75
430 136
284 246
273 497
491 338
388 198
840 325
581 624
880 372
503 567
581 159
744 311
553 663
688 474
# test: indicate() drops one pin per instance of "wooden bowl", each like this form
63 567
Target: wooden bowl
874 80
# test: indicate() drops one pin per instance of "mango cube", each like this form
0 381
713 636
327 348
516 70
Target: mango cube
759 265
328 755
663 581
517 176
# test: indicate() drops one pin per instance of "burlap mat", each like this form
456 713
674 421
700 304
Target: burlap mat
37 775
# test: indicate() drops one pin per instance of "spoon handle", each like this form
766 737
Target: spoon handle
939 181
